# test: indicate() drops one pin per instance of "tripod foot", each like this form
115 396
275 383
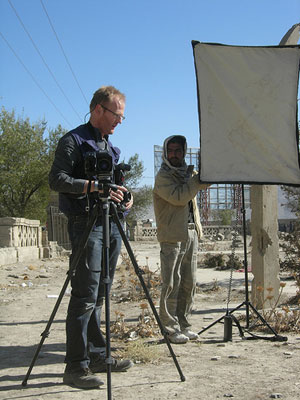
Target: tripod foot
279 338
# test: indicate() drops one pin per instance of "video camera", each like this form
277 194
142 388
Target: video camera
100 164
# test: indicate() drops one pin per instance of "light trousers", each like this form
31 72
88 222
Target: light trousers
178 273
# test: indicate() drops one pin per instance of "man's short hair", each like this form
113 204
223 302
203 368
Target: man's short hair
177 139
104 95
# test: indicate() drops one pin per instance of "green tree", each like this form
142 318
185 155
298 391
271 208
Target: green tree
26 155
142 196
223 217
292 194
291 244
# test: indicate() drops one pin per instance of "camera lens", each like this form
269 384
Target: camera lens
104 165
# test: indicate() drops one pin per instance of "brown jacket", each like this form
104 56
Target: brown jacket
171 196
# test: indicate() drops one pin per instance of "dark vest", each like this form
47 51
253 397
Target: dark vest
86 138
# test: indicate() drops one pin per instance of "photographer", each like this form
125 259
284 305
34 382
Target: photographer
178 230
85 353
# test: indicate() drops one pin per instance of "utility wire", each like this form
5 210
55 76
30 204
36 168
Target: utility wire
46 65
35 81
66 58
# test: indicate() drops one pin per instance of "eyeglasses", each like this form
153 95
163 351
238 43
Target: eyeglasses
118 116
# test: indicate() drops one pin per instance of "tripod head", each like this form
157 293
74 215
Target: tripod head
104 188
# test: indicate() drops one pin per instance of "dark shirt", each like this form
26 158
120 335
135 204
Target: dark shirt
191 213
67 175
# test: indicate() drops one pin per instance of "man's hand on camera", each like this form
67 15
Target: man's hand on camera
117 195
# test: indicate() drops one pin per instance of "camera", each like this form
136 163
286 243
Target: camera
100 164
119 173
127 197
119 177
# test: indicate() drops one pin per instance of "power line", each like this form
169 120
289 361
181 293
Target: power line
42 58
76 80
33 78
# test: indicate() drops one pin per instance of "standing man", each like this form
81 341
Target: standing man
178 230
85 354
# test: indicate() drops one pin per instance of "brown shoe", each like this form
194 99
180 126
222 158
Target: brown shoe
82 378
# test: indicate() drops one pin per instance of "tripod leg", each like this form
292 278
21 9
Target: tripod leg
71 271
45 334
106 245
209 326
223 317
262 319
276 337
146 291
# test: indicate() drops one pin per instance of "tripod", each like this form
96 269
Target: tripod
229 317
102 207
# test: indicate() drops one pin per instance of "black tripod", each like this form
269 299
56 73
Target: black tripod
229 318
103 207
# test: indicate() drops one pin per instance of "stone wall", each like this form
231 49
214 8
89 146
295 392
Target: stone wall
142 232
23 240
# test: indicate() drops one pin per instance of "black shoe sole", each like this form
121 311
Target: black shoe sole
70 382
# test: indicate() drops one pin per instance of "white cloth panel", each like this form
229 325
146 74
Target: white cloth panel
247 99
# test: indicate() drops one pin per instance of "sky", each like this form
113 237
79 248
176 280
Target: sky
56 53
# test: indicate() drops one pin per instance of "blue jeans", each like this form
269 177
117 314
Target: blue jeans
84 338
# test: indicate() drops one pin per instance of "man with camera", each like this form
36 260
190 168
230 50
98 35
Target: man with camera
78 193
178 231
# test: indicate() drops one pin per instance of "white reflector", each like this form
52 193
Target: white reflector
247 99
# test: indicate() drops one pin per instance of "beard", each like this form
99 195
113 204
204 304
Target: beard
175 162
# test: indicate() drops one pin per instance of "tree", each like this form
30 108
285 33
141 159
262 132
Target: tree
291 245
142 196
224 216
26 155
292 194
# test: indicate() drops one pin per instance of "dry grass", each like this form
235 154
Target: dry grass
140 351
146 327
129 284
282 319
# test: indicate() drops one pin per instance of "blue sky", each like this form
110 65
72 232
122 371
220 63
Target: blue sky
142 47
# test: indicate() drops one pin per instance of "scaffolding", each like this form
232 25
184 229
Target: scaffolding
215 198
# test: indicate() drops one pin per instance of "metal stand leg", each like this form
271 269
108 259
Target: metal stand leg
247 303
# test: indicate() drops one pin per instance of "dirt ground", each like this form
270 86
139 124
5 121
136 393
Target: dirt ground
213 369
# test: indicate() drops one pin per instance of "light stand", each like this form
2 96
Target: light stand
229 317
